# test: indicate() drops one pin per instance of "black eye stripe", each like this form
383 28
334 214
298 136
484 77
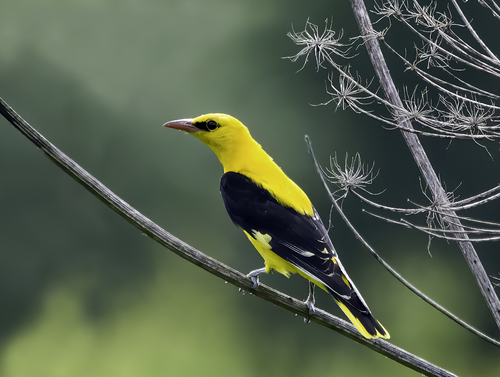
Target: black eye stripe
209 125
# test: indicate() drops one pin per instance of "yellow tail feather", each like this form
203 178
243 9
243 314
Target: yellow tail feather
380 332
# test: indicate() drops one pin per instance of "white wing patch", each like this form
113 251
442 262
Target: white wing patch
298 250
265 239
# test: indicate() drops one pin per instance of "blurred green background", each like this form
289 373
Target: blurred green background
83 293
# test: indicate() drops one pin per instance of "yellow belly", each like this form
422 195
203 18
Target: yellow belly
272 260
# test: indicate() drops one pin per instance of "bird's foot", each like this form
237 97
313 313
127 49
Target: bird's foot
309 302
310 305
254 275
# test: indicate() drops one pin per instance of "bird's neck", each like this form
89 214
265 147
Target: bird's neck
248 158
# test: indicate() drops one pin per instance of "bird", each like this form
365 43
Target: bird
277 217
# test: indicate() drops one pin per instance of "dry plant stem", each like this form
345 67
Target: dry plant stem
209 264
421 159
384 263
473 32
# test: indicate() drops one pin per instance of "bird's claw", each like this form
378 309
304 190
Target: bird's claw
255 281
310 305
254 276
309 302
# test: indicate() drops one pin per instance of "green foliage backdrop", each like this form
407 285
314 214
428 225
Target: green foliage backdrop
82 293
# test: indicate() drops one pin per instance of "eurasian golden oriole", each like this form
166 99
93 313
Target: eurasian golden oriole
277 216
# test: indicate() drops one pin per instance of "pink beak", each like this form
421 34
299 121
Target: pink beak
182 124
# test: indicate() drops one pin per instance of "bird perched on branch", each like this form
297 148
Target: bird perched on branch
277 216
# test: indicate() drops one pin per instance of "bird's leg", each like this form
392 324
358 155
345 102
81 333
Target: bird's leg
254 275
310 300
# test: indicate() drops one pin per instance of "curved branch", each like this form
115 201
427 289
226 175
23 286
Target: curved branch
419 155
386 265
492 56
210 264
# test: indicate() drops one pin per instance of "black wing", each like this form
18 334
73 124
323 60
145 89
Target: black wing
300 239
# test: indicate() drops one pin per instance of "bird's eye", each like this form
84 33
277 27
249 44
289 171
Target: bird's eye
211 125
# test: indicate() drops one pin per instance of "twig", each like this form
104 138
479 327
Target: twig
210 264
476 200
473 33
385 264
421 159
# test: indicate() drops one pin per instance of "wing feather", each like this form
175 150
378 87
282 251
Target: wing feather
299 239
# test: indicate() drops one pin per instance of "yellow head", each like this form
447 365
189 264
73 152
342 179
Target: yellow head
225 135
239 152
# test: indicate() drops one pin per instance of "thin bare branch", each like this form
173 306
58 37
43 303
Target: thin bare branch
207 263
477 198
422 161
494 7
434 304
473 32
440 84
